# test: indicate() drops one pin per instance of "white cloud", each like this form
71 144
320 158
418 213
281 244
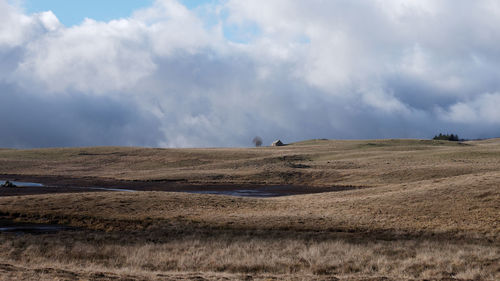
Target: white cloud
481 110
49 21
15 27
172 27
94 57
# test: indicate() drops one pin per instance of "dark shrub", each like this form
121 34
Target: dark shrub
448 137
257 141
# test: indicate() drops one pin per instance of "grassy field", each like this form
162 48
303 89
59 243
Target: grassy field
419 210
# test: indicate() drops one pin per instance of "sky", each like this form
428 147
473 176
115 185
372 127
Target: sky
72 13
212 73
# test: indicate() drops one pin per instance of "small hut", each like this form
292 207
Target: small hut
277 143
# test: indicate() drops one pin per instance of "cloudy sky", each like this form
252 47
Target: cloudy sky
175 73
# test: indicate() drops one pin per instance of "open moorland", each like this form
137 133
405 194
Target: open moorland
354 210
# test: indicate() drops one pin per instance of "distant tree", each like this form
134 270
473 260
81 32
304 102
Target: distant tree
448 137
257 141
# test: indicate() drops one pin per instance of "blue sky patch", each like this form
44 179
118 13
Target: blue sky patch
73 12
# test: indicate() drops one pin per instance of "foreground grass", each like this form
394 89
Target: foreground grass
427 210
255 255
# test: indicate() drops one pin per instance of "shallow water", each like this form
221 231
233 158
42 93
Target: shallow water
35 184
9 226
242 192
262 192
109 189
22 183
33 228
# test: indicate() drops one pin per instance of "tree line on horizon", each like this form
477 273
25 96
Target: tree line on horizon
448 137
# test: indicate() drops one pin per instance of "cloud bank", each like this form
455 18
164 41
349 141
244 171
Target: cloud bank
222 73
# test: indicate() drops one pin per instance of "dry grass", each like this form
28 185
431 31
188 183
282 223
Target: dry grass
322 163
463 207
250 255
430 210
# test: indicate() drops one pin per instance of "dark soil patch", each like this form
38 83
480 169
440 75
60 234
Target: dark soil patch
10 226
59 184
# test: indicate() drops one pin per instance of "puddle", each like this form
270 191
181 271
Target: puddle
35 184
268 191
242 192
109 189
24 184
9 226
33 229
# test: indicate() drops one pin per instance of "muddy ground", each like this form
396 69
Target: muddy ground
59 184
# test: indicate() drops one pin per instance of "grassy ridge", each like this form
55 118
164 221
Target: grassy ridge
312 163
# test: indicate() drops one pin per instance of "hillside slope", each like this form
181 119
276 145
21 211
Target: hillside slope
424 210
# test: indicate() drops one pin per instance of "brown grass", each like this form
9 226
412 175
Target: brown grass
312 163
430 210
257 255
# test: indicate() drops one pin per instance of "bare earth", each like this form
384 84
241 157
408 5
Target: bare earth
362 210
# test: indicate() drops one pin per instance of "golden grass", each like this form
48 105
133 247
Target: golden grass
430 209
375 162
258 255
462 206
